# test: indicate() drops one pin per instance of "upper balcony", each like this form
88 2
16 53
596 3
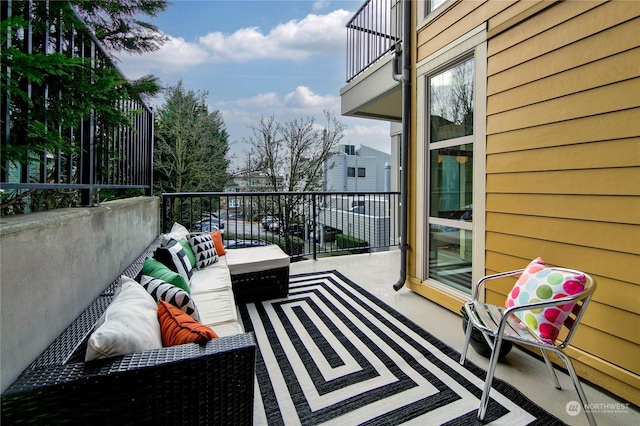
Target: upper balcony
372 36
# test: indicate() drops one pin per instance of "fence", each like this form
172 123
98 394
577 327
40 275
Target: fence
373 31
96 153
304 224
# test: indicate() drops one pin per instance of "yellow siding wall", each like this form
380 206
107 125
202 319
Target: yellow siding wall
563 159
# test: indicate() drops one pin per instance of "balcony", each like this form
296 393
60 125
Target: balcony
376 272
373 34
306 225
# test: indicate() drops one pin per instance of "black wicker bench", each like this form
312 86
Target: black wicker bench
210 383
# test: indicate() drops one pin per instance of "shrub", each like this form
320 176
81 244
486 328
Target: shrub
350 243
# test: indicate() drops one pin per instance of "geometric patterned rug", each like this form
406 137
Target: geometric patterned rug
331 353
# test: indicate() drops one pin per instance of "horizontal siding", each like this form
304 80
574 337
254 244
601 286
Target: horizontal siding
617 351
624 297
606 126
614 97
454 23
597 155
528 28
613 209
599 235
563 155
617 267
504 74
565 26
609 70
570 182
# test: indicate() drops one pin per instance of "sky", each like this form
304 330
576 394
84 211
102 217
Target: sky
257 59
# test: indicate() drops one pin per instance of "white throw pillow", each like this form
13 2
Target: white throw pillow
177 233
129 325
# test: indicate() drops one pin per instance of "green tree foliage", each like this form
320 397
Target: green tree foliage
191 146
117 25
51 89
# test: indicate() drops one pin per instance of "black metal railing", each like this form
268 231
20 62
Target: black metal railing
373 32
99 154
304 224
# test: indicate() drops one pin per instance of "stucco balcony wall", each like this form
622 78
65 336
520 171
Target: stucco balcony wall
54 264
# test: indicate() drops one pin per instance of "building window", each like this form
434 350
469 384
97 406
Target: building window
351 172
450 148
433 5
350 149
362 172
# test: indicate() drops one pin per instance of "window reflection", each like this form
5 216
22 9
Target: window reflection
452 183
450 256
451 102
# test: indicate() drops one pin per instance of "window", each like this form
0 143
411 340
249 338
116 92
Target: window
433 5
450 113
350 149
351 172
362 172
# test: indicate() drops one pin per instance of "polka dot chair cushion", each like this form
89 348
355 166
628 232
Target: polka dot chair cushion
539 283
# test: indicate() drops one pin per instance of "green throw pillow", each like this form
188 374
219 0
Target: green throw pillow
156 269
187 249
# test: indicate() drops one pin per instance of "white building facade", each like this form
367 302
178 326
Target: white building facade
365 169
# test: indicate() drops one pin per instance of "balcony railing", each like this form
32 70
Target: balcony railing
101 156
373 32
305 224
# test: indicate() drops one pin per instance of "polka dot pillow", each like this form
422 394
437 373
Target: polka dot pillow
539 284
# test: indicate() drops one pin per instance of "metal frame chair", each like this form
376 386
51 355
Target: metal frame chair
497 324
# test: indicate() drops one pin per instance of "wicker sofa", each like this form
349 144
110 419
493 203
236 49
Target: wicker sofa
210 383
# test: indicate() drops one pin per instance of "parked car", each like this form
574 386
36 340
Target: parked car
210 220
297 230
266 220
271 223
206 227
274 226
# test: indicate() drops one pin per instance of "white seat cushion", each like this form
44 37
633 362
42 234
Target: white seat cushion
255 259
216 307
229 328
212 278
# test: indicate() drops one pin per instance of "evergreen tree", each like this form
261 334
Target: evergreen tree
191 146
117 25
46 91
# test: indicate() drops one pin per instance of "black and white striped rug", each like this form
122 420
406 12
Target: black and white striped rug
333 353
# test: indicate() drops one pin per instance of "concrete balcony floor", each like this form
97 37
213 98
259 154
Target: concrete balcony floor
377 272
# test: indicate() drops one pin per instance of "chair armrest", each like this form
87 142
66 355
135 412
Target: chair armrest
481 283
209 383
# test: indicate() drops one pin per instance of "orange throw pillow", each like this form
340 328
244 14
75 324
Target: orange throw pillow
216 236
178 328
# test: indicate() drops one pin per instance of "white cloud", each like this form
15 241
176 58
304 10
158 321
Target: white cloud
369 132
304 99
293 40
175 56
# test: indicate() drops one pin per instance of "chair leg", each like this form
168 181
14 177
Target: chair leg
552 370
495 354
578 386
467 339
